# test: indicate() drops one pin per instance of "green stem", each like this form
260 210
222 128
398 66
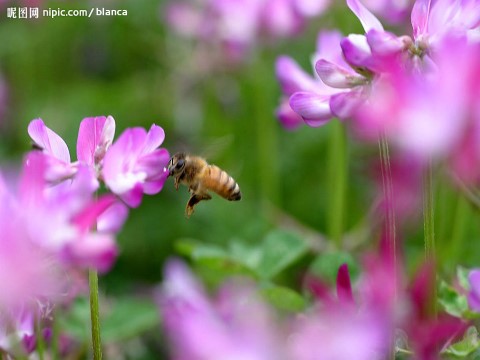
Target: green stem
429 231
40 341
338 185
389 226
458 229
390 222
266 137
95 314
55 337
428 214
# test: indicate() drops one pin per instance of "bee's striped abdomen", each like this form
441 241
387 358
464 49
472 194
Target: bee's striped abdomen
223 184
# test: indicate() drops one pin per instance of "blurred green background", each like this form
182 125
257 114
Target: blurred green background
133 68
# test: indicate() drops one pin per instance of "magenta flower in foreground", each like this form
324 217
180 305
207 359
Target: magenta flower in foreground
234 326
134 164
61 219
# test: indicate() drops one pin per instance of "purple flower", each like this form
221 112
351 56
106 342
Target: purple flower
55 149
234 27
431 115
135 165
339 88
60 219
203 329
338 334
474 294
94 138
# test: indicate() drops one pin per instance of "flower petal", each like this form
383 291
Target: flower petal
343 105
313 108
154 139
95 250
336 76
385 43
289 119
94 138
368 20
292 78
419 17
474 295
357 51
113 218
311 7
48 140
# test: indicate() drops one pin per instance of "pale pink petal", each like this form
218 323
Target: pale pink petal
419 17
336 76
289 119
328 47
32 181
343 105
89 135
368 20
48 140
95 251
154 139
313 108
280 19
94 138
113 218
385 43
184 18
357 51
474 295
311 7
292 78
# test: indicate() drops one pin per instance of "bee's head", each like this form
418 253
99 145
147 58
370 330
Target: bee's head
176 164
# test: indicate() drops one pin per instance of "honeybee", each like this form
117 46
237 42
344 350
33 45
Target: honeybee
200 177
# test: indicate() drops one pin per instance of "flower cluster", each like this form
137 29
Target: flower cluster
420 90
338 326
236 26
53 223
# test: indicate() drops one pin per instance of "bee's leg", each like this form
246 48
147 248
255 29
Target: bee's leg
176 182
194 200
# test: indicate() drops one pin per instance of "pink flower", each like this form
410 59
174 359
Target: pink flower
338 329
474 294
432 115
60 219
135 165
234 27
338 334
428 334
94 137
203 329
338 90
55 149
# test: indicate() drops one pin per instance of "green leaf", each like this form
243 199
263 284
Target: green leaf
452 302
76 322
462 275
325 266
125 319
284 298
467 345
128 318
279 250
